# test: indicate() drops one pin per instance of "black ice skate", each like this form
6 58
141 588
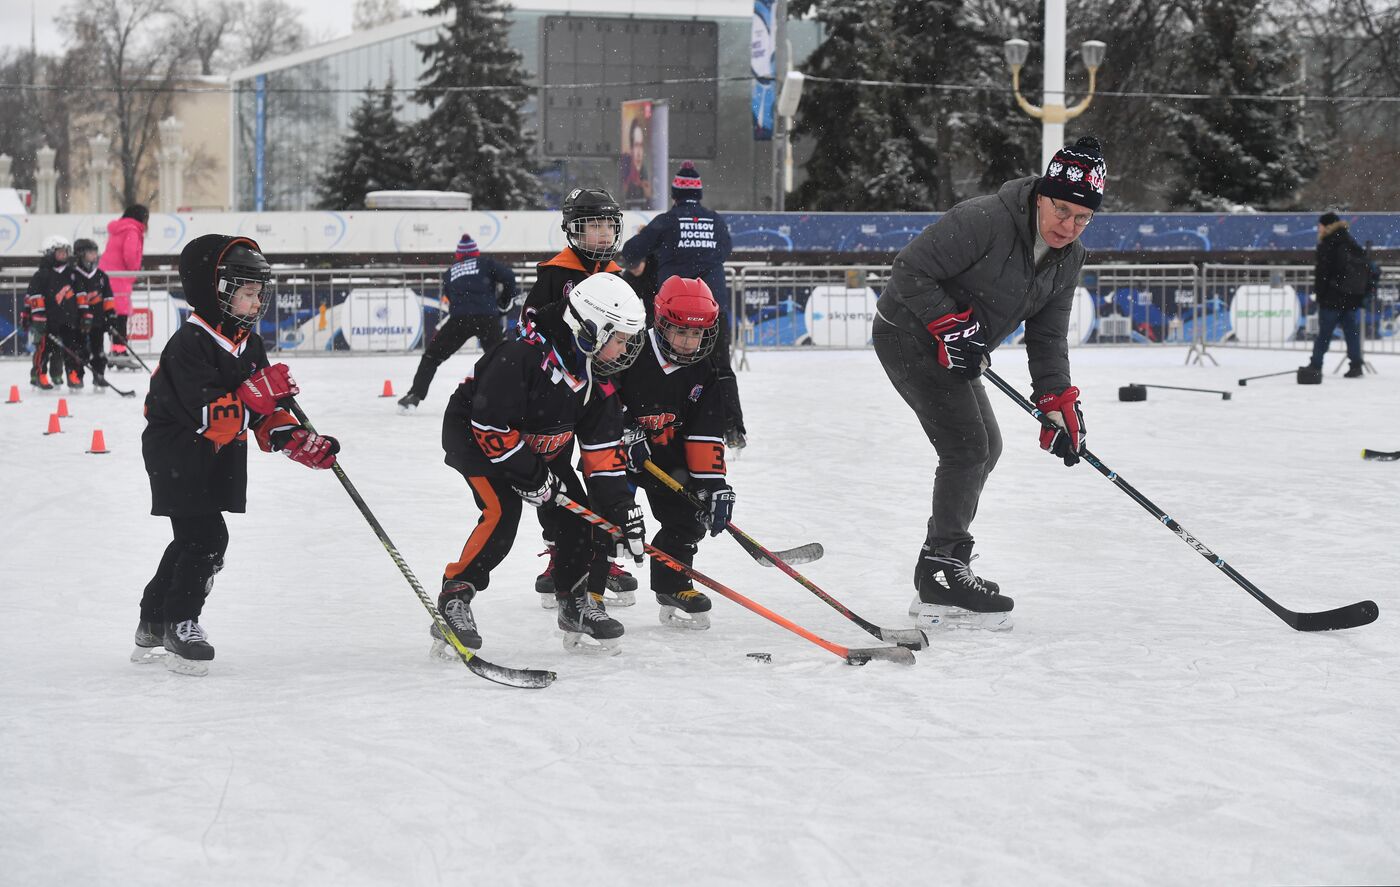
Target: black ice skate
455 605
622 586
150 643
586 624
189 648
99 381
950 595
40 381
687 608
544 582
409 403
75 382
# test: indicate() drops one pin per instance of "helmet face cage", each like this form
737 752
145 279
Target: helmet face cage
80 250
231 278
622 361
666 327
576 227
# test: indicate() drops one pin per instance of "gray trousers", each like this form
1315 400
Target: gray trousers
958 420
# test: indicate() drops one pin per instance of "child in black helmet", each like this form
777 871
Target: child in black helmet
96 307
592 225
212 385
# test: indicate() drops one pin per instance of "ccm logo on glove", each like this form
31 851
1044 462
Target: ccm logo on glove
1066 439
961 348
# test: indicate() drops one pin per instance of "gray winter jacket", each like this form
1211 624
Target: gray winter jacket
981 253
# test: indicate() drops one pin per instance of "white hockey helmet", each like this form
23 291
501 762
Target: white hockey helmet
55 242
599 308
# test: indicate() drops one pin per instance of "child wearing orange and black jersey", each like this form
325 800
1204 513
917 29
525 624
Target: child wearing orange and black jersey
95 305
510 430
213 384
50 310
672 394
592 224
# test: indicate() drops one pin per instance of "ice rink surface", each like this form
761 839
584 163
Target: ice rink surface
1147 721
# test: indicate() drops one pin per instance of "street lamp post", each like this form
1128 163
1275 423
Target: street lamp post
1052 112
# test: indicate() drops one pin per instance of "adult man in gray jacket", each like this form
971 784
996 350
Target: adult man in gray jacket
956 292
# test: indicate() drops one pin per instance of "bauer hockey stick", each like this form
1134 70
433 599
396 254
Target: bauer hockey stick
912 638
87 363
1349 616
852 656
529 678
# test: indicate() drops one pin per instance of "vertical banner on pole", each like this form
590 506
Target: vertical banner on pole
763 62
645 137
259 139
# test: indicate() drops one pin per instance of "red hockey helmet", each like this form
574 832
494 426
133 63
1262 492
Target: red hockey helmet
687 318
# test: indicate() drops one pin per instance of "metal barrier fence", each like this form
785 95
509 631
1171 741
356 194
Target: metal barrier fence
1253 306
377 310
396 310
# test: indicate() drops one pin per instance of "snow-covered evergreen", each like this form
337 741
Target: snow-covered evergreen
370 158
475 140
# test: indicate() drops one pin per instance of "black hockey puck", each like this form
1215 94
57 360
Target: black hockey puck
1309 376
1132 393
761 657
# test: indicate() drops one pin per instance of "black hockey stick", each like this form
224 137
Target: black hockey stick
1247 379
529 678
130 350
852 656
1380 455
87 363
912 638
1349 616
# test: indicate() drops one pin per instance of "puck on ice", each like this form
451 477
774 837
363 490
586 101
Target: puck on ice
761 657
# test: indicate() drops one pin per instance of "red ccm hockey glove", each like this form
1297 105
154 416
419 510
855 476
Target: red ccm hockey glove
1066 440
961 348
265 387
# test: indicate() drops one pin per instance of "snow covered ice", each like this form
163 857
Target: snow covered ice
1147 721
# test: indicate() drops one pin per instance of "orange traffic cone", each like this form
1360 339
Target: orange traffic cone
388 389
99 443
54 426
14 394
63 409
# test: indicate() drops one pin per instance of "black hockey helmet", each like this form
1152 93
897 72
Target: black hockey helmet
592 205
213 267
81 247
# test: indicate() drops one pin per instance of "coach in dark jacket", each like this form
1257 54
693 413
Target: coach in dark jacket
955 292
1341 277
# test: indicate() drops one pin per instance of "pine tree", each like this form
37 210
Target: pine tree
475 141
370 158
889 148
1238 152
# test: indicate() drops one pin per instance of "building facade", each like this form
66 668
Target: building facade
287 116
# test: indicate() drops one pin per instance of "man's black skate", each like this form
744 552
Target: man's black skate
686 608
189 648
583 615
409 402
40 381
950 595
75 382
455 605
99 380
150 643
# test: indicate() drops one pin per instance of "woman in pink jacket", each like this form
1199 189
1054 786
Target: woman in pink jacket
126 242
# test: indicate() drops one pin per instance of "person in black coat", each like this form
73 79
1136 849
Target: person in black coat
478 290
1341 278
213 385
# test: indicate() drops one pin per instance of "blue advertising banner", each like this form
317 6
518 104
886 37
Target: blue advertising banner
259 140
1126 232
763 62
